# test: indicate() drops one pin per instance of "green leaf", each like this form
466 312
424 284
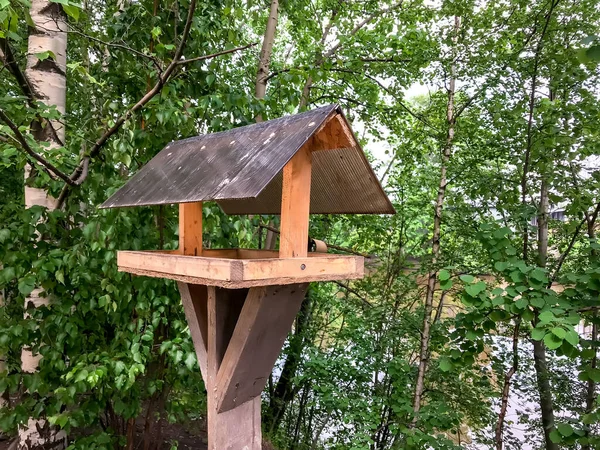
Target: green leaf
537 334
552 341
443 275
539 275
190 361
565 429
572 338
156 32
119 367
45 55
72 11
26 285
60 277
501 266
593 53
559 332
467 278
521 303
538 302
445 364
546 317
593 374
7 275
475 289
446 285
555 437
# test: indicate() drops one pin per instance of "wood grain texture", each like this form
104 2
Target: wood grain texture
264 322
295 205
238 428
194 299
202 267
190 229
242 273
242 284
334 134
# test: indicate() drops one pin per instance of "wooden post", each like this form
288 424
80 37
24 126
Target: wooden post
295 204
238 334
239 428
190 229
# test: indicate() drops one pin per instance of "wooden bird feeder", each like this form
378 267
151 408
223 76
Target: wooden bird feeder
240 304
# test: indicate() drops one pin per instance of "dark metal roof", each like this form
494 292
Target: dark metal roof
242 170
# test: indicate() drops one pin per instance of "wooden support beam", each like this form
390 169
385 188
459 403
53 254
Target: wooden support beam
194 298
265 321
238 428
190 229
295 204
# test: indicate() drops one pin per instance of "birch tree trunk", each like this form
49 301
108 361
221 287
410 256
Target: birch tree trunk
266 51
48 81
539 348
262 75
437 224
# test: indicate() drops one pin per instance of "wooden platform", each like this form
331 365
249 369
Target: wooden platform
240 268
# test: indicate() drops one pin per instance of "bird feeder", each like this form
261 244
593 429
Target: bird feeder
240 304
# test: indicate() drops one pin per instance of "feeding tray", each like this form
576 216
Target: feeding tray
241 268
240 304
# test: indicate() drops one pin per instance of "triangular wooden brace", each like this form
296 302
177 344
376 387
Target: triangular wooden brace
238 335
194 299
265 321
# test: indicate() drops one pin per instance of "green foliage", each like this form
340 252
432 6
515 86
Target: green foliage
115 346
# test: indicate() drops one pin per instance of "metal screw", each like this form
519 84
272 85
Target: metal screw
303 266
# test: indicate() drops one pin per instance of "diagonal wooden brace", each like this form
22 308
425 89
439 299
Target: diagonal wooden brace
264 323
238 335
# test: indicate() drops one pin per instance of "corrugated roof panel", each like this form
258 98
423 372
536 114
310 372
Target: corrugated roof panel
342 183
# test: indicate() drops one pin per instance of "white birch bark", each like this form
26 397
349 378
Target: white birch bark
48 80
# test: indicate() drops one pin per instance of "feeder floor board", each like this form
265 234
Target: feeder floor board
240 268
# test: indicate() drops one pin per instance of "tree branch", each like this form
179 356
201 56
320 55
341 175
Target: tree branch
126 48
10 61
7 55
361 25
214 55
564 255
25 146
79 175
353 291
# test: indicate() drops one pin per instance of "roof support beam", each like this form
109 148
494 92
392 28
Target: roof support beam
190 229
295 204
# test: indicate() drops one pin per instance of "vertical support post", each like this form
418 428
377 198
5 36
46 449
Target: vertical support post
238 428
295 204
190 229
